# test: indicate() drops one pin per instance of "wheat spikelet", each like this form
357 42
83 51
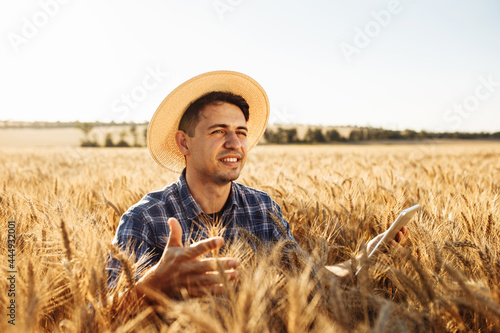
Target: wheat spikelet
127 266
467 223
438 257
486 305
424 278
406 283
465 243
464 198
465 262
489 226
110 204
55 186
31 316
66 242
487 267
281 227
33 215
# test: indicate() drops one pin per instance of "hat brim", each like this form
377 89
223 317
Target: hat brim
165 121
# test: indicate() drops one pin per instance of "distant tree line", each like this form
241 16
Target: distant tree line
282 135
86 128
290 135
60 124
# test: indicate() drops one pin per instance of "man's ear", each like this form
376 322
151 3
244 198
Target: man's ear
181 138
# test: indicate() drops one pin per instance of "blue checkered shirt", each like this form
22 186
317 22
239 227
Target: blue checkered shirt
143 228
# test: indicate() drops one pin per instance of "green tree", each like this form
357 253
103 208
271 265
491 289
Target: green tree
270 136
314 136
145 133
356 135
108 141
86 128
332 135
122 142
133 132
292 136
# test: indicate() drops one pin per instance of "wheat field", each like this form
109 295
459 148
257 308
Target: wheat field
67 202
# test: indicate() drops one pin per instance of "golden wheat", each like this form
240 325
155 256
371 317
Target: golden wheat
67 204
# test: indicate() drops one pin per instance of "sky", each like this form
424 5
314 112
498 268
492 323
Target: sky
397 64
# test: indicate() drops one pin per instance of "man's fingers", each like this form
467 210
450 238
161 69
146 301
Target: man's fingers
204 246
401 237
208 265
215 289
175 237
199 280
394 243
399 241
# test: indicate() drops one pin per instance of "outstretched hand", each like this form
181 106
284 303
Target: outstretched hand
182 268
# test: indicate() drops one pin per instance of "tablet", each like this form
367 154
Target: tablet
402 220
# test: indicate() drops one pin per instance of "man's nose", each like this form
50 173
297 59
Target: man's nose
232 141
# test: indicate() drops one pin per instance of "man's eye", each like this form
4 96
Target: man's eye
243 133
216 131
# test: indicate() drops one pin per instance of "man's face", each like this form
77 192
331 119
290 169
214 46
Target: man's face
217 151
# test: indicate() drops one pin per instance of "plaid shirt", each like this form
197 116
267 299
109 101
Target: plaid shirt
143 228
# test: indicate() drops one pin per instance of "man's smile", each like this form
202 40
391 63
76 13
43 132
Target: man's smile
231 160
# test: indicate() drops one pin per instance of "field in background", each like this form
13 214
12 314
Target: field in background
67 203
63 137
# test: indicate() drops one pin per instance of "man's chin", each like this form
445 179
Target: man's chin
229 176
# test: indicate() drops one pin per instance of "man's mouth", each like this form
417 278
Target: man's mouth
230 159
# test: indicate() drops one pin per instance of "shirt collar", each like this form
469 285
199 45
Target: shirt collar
192 208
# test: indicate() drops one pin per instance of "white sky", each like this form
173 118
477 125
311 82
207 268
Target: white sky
79 62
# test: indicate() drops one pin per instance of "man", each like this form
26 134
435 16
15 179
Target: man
204 130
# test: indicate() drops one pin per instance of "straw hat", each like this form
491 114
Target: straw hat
165 121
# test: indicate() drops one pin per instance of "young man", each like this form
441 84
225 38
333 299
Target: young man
203 130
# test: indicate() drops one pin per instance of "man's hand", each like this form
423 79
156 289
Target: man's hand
343 270
181 267
398 242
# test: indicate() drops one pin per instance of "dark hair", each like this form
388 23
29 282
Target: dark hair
191 116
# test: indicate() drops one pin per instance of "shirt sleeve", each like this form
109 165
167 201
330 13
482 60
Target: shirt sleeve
133 236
